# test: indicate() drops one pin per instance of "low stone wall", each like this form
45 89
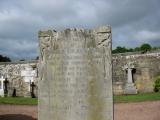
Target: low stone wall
147 68
12 72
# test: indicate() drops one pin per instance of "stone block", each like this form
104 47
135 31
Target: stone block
75 75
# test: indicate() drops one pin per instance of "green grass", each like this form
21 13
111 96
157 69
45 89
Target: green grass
18 101
137 98
117 99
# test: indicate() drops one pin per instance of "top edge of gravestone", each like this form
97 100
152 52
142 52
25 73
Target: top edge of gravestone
101 29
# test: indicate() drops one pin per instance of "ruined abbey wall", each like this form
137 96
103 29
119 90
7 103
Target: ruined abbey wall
12 72
147 68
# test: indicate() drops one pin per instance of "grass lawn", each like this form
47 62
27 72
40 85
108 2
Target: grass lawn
18 101
117 99
137 98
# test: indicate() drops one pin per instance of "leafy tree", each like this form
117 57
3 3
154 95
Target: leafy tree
155 48
37 58
22 60
4 59
145 47
130 50
137 49
120 49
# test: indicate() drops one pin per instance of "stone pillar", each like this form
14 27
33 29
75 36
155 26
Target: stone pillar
75 75
130 87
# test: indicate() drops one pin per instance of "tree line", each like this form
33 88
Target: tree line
4 59
143 48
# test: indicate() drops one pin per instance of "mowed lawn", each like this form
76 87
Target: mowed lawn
18 101
117 99
137 98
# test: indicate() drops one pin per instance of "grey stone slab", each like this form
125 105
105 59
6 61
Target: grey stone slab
75 75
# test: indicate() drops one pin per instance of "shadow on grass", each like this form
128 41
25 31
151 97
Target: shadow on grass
16 117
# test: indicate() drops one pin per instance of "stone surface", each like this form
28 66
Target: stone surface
28 73
75 75
147 68
130 88
2 86
118 88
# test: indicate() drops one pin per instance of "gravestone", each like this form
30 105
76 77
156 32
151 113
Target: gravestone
75 75
28 76
130 87
2 86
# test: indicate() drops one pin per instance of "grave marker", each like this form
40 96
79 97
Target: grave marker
75 75
2 79
130 87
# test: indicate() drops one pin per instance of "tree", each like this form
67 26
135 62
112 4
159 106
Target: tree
22 60
4 59
137 49
37 58
145 47
130 50
157 84
120 49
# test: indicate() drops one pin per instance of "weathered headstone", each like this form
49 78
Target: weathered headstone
28 75
130 87
75 75
2 86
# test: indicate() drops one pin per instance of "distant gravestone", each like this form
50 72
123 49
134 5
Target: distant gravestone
2 79
75 75
129 87
28 76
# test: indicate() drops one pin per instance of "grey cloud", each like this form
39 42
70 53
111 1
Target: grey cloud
18 49
133 21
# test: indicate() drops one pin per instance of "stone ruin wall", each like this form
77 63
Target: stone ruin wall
12 71
147 68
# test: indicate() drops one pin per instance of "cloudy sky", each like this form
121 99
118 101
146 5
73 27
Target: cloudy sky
133 21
